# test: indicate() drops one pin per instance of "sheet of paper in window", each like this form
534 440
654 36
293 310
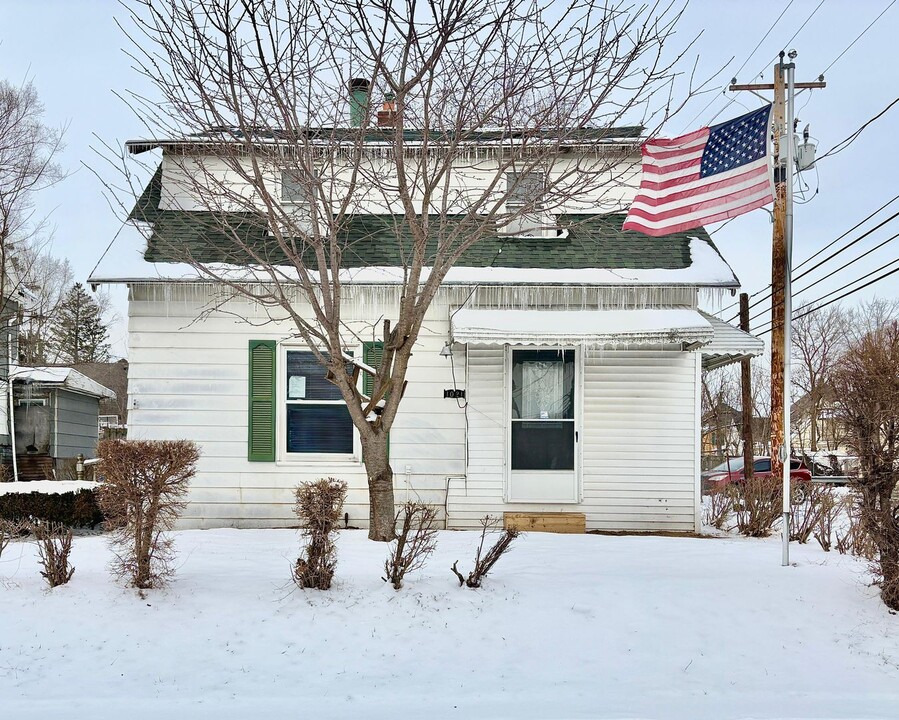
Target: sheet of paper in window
296 387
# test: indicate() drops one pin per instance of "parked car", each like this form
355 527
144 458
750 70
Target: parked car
731 471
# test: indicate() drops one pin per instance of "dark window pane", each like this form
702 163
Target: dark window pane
761 466
542 384
542 445
319 429
306 378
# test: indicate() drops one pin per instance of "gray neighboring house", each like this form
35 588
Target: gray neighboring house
55 417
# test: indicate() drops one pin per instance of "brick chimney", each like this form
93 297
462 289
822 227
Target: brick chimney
387 113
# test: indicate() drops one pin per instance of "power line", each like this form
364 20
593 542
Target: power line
842 267
736 74
844 295
834 254
854 136
859 37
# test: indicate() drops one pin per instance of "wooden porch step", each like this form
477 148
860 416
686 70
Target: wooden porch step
545 522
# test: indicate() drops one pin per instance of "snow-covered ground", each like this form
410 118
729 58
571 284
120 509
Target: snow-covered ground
569 626
49 487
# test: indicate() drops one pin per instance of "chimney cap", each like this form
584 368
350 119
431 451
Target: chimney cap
358 84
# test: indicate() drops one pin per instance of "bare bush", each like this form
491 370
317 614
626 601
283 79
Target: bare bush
483 564
831 509
9 531
719 507
757 505
318 507
144 494
807 508
54 544
867 383
855 539
414 543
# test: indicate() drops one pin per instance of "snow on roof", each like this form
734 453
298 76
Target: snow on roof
68 377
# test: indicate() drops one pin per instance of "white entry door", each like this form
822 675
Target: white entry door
543 433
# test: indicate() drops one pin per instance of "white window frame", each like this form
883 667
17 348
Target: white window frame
579 354
294 201
513 203
288 458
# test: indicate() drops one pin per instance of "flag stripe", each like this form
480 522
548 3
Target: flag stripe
695 189
724 207
708 175
667 229
686 179
691 206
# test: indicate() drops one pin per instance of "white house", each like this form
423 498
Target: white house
557 372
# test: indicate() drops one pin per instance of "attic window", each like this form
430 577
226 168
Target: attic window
524 189
295 188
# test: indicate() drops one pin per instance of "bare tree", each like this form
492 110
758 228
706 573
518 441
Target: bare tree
28 149
480 98
720 406
818 342
867 383
46 280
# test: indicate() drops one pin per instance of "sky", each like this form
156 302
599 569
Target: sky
74 53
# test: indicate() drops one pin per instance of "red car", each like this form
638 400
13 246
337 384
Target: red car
731 471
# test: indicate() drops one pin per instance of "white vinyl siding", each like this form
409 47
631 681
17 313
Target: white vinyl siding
188 379
638 469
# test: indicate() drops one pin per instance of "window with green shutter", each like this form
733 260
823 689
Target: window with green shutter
261 435
372 354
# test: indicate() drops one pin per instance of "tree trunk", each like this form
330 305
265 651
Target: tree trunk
813 432
381 510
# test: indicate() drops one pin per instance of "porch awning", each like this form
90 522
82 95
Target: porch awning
581 327
729 345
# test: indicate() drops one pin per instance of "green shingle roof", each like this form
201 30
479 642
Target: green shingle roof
593 241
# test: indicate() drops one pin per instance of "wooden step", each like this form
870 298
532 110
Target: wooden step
545 522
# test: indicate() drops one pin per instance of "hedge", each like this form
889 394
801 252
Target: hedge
74 509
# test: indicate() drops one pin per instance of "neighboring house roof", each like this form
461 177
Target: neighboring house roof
590 249
65 377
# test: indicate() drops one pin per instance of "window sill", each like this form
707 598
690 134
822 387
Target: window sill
317 459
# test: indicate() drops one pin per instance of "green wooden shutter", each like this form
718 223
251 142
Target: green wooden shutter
372 354
261 436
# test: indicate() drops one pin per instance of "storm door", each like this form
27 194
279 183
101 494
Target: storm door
543 432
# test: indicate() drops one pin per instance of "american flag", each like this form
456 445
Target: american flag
703 177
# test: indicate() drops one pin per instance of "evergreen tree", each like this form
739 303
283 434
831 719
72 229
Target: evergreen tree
78 332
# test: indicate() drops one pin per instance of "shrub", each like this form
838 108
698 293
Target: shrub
318 506
483 565
414 543
831 508
73 509
719 507
758 505
807 508
144 493
54 544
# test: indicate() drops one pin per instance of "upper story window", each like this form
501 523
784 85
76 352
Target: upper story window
524 189
295 188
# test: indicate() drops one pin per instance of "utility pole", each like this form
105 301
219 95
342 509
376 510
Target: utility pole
746 387
784 87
